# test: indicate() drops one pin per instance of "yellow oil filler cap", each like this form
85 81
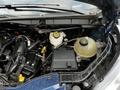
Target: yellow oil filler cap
21 78
85 47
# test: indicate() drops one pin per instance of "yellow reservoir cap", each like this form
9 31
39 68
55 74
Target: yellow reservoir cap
21 78
56 34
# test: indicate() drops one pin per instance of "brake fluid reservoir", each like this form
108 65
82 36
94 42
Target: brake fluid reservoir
56 38
85 47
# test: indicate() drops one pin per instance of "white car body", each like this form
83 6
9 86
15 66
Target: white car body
112 79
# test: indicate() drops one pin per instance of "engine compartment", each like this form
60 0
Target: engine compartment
28 51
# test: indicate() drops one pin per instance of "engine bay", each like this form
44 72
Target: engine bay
74 52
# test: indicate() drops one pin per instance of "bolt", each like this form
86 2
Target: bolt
86 84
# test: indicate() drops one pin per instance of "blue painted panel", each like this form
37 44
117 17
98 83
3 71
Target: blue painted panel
46 82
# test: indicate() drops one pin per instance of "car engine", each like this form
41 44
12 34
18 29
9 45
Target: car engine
74 52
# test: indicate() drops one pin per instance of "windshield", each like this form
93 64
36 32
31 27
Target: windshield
64 4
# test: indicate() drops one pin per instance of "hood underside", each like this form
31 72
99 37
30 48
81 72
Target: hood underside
110 8
104 4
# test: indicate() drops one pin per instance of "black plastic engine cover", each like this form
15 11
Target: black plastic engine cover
64 59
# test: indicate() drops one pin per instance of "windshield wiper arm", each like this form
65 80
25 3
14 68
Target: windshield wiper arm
48 11
43 4
21 7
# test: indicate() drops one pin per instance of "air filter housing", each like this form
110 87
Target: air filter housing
64 59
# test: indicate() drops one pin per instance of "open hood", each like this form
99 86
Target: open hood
110 8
